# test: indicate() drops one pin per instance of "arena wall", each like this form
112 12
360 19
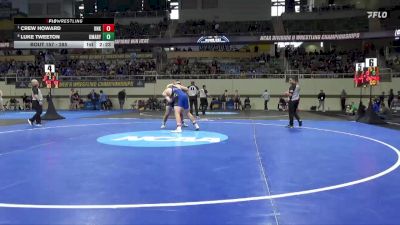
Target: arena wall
246 87
227 10
364 4
45 8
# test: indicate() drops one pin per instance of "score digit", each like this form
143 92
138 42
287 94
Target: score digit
108 36
108 27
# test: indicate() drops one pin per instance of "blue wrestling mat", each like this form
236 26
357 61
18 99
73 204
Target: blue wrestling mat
101 171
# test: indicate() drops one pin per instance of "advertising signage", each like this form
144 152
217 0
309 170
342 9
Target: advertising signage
213 40
223 39
311 37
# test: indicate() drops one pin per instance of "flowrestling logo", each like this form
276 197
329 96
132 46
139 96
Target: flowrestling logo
162 138
377 14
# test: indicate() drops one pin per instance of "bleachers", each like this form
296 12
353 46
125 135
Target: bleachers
137 30
231 66
190 63
394 21
354 24
203 27
323 62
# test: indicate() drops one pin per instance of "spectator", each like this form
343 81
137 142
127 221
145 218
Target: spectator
384 112
382 98
71 94
224 98
153 104
94 98
321 100
1 101
375 106
103 100
108 104
343 97
75 100
362 109
247 104
351 109
266 98
282 104
121 99
230 104
141 105
215 104
14 103
390 98
236 99
26 100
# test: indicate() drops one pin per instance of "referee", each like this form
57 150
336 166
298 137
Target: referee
37 102
294 99
193 93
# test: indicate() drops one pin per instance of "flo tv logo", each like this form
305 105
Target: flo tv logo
377 14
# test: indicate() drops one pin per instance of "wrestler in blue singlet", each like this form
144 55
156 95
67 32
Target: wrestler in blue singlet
180 97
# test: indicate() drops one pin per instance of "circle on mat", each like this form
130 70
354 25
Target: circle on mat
162 138
221 113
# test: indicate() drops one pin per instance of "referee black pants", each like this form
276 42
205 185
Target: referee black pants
38 109
193 102
203 105
293 105
343 104
265 104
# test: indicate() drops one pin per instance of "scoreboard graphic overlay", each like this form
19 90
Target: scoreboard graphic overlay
46 33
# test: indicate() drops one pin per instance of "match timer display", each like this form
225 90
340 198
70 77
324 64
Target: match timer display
48 33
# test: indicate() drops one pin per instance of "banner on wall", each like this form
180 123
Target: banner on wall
102 84
111 56
311 37
256 39
89 84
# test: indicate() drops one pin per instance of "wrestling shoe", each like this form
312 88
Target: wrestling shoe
196 126
163 126
184 125
30 122
300 123
178 130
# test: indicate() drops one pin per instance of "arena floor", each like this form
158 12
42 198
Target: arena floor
241 168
